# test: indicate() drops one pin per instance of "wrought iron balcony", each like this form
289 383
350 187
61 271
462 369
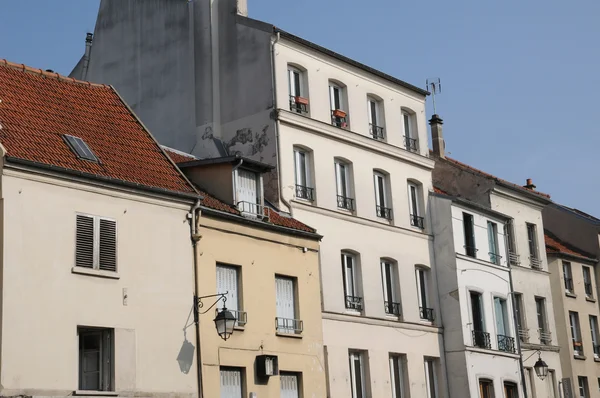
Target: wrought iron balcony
578 348
345 203
569 285
514 259
506 343
426 313
384 212
417 221
354 303
471 251
588 289
536 263
339 118
524 335
411 144
303 192
287 325
481 339
299 104
392 308
545 336
495 258
253 210
377 132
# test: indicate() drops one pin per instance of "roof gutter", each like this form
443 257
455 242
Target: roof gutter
572 256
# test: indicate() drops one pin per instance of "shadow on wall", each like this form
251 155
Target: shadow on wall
185 358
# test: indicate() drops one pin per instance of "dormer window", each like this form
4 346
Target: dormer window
298 96
248 192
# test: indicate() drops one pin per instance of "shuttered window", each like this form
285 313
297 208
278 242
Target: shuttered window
285 297
231 383
96 243
289 385
247 186
227 282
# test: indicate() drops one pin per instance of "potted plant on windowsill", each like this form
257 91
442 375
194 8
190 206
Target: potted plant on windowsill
339 113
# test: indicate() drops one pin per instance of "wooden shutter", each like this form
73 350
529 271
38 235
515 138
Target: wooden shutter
227 281
289 386
84 245
107 246
231 383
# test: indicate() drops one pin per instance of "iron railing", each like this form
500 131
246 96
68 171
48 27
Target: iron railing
384 212
514 259
495 258
588 289
288 325
524 335
536 263
377 132
506 343
241 316
411 144
345 203
471 251
303 192
569 284
250 209
426 313
392 308
354 303
578 348
417 221
481 339
339 121
545 336
297 105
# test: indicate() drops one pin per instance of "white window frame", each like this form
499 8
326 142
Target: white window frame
501 315
286 304
414 207
587 280
397 375
333 88
374 112
239 174
228 278
567 274
355 356
342 179
106 358
350 283
96 242
422 277
532 241
236 388
492 232
575 330
290 385
431 378
380 178
389 275
406 116
293 90
298 175
594 333
582 387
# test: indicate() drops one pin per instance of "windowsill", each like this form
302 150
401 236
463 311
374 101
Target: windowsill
569 294
95 272
291 335
580 357
596 359
239 328
307 201
96 393
352 312
590 299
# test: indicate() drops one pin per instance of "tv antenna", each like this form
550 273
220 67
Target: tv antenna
434 86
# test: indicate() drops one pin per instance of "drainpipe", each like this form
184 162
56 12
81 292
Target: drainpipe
276 114
195 236
233 181
86 56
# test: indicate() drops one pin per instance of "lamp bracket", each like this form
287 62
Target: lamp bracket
198 304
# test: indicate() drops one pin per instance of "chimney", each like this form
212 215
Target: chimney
439 146
86 56
242 7
529 185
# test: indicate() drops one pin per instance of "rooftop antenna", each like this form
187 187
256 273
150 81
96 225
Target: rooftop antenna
434 86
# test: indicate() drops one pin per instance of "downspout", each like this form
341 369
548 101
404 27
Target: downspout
234 182
195 236
276 117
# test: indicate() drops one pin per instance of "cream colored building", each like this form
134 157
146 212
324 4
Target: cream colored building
576 312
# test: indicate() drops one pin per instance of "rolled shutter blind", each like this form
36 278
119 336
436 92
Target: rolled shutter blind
84 245
108 245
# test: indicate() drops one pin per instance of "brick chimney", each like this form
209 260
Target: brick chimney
437 138
242 7
529 185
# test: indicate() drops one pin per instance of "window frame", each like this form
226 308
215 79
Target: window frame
575 328
512 386
398 375
242 378
534 250
481 308
237 299
587 279
567 277
493 243
350 261
390 288
344 186
541 314
486 383
506 327
298 152
431 377
297 91
96 243
106 377
297 326
407 120
295 375
414 197
333 88
593 319
422 279
470 241
353 357
582 384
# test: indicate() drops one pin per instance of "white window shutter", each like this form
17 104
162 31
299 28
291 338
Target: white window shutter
231 384
289 386
227 281
285 298
84 245
292 83
246 186
107 246
332 97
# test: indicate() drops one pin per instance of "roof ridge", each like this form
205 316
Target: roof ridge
41 72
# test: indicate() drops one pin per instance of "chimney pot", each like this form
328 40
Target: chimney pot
437 138
530 185
89 37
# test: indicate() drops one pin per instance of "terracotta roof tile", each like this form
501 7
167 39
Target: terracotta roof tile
178 156
553 245
37 108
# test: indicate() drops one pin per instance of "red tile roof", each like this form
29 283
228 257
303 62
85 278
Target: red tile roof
178 156
438 190
553 245
38 107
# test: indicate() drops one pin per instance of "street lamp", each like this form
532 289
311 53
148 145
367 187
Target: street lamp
224 321
541 368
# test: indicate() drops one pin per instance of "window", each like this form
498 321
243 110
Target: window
352 296
248 192
575 333
584 392
505 341
469 231
290 385
397 375
382 207
492 229
431 378
544 333
389 278
551 384
522 329
375 119
303 175
587 282
342 179
96 243
80 148
510 390
339 117
228 281
568 277
232 382
481 338
598 383
422 276
96 353
357 374
298 98
410 136
533 246
414 207
513 257
285 297
486 388
595 337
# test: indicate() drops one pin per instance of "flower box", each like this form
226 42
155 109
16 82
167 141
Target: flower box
339 113
301 100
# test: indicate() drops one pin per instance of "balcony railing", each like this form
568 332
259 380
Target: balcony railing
392 308
339 118
377 132
417 221
495 258
514 259
411 144
303 192
578 348
354 303
471 251
254 210
288 325
536 263
506 343
345 203
384 212
241 316
481 339
299 104
426 313
588 289
545 336
524 335
569 285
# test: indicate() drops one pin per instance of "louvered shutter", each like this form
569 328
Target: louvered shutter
247 187
289 386
107 246
84 245
231 384
285 298
227 281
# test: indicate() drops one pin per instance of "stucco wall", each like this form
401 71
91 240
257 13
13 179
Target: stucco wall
44 302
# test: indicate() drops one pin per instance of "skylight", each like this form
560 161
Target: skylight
80 148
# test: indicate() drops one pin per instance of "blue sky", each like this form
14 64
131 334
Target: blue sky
520 79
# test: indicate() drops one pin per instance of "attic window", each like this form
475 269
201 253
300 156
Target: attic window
80 148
